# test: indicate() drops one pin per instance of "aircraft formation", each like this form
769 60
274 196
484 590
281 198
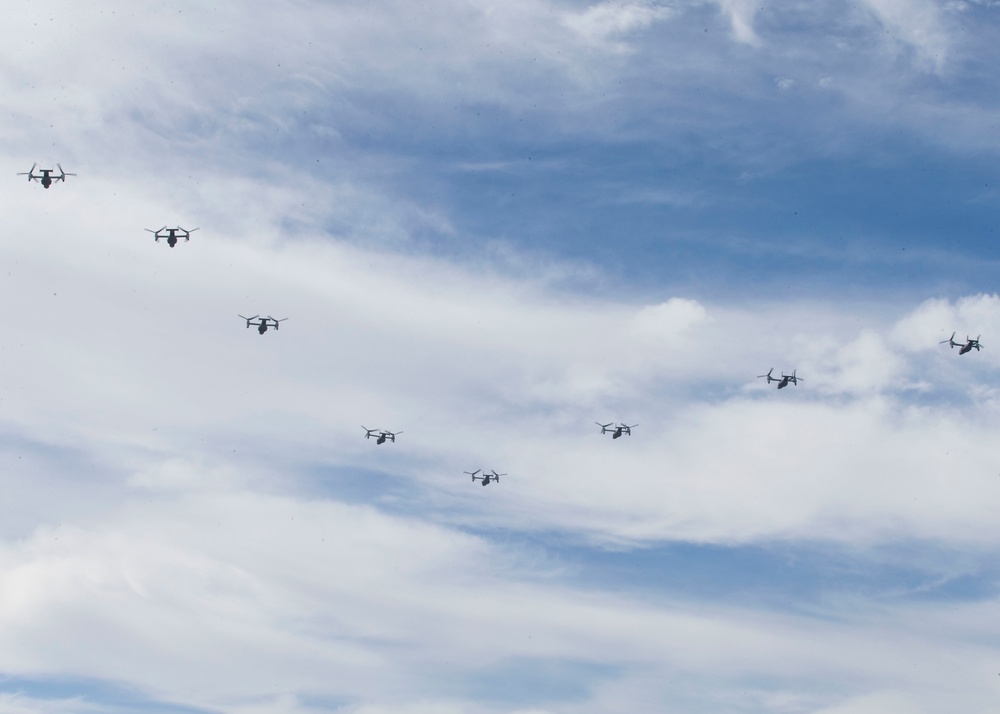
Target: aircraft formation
46 177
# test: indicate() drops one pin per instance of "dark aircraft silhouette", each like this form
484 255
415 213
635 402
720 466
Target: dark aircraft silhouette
785 378
617 430
172 234
264 323
46 178
969 345
382 434
486 477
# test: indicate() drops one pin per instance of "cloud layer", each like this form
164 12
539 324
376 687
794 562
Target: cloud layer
491 226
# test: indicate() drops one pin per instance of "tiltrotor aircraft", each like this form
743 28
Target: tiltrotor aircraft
380 434
264 322
46 178
486 477
172 234
617 430
970 344
785 378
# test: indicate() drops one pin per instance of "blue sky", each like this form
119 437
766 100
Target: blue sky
491 225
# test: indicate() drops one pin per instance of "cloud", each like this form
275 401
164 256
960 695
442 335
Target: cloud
917 24
602 21
668 320
190 510
246 601
741 15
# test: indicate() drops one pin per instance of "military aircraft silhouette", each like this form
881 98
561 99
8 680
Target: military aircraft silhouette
617 430
46 178
172 234
264 323
969 345
785 378
486 477
382 434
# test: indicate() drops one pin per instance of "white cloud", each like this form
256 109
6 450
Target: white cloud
171 518
877 703
609 19
741 16
668 320
249 602
917 24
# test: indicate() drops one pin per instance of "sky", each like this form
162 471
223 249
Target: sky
491 225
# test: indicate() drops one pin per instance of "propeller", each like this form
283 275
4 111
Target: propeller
950 339
472 473
30 174
62 173
768 375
